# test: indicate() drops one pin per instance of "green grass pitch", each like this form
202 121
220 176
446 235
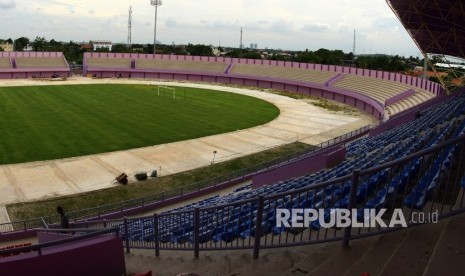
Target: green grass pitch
50 122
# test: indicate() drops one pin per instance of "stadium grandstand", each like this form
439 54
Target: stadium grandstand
18 65
382 94
411 163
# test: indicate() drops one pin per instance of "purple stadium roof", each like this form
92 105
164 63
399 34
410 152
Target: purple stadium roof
436 26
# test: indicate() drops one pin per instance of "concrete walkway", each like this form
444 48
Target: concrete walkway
45 179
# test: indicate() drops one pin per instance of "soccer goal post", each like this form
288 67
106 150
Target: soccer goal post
166 91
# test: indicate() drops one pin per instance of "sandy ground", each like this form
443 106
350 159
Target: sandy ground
298 120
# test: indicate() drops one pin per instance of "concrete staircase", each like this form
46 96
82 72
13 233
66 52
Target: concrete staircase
432 249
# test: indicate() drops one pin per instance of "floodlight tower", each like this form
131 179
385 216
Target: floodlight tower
240 42
353 49
155 3
130 27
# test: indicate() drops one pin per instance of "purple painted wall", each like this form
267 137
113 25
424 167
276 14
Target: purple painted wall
399 97
32 54
102 255
393 122
43 237
336 156
6 75
334 79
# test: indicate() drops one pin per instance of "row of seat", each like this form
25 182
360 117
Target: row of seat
379 89
419 97
37 62
127 63
218 67
431 180
295 74
5 63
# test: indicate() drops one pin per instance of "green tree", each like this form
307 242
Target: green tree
102 50
244 53
175 50
397 63
436 59
333 57
382 62
148 49
252 55
237 53
141 48
120 48
73 52
20 43
307 57
39 44
199 50
277 57
55 46
414 60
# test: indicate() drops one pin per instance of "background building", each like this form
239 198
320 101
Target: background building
7 47
97 44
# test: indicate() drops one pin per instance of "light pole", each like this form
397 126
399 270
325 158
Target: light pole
214 154
155 3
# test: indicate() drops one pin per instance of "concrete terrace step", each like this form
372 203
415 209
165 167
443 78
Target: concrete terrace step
377 254
141 260
342 259
169 263
409 102
413 255
315 257
449 255
271 262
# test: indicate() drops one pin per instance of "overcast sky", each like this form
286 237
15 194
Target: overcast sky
292 24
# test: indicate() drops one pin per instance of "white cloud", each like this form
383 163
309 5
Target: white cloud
296 24
6 5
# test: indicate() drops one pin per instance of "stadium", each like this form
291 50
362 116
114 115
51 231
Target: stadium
399 152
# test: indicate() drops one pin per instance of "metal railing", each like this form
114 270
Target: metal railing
120 207
424 187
